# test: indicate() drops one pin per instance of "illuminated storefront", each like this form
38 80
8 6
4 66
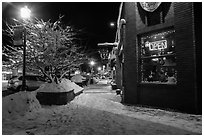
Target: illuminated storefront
158 60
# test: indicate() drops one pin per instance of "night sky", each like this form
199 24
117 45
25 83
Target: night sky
92 17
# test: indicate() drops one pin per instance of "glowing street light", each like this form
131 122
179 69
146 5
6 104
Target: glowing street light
25 12
112 24
99 68
92 63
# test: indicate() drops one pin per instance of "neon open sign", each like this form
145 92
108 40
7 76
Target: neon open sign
156 45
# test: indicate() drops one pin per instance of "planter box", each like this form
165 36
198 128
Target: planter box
114 86
79 84
118 91
55 98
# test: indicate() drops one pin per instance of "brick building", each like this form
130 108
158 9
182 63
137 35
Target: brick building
159 54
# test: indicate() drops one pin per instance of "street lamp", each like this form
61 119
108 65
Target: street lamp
99 68
25 14
112 24
92 63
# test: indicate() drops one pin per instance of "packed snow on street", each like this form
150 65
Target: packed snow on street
96 111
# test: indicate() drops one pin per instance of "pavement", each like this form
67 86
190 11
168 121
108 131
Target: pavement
98 111
102 90
189 122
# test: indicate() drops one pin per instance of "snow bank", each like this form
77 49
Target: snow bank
95 80
53 87
67 83
22 102
78 78
19 104
65 86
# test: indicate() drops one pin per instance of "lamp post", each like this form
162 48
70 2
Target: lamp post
92 63
25 14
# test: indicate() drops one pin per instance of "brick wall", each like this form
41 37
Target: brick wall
197 7
130 65
185 50
182 96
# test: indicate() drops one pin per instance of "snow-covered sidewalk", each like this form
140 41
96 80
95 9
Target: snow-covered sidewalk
178 120
101 114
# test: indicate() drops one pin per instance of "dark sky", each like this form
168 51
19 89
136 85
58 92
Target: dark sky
92 17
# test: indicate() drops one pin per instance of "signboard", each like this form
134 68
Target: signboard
156 45
18 35
150 6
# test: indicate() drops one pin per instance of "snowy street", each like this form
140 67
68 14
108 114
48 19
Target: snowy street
101 68
98 111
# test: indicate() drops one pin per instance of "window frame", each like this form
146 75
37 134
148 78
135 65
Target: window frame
141 57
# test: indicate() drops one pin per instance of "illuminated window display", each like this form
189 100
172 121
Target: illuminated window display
158 60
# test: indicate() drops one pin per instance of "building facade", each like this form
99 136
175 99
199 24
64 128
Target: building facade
159 53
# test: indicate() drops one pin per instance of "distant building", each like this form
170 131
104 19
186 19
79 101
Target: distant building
7 73
159 53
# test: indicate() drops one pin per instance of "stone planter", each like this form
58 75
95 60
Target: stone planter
55 98
114 86
118 91
79 83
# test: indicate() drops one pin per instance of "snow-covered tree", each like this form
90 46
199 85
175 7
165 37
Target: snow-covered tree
52 48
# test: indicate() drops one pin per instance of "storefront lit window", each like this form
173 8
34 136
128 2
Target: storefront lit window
158 58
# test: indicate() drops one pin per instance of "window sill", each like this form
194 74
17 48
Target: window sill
158 83
159 56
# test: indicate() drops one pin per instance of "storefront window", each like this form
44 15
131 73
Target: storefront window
158 58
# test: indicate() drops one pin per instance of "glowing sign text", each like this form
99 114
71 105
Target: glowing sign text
156 45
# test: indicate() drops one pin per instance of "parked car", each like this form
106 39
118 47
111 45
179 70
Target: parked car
33 82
